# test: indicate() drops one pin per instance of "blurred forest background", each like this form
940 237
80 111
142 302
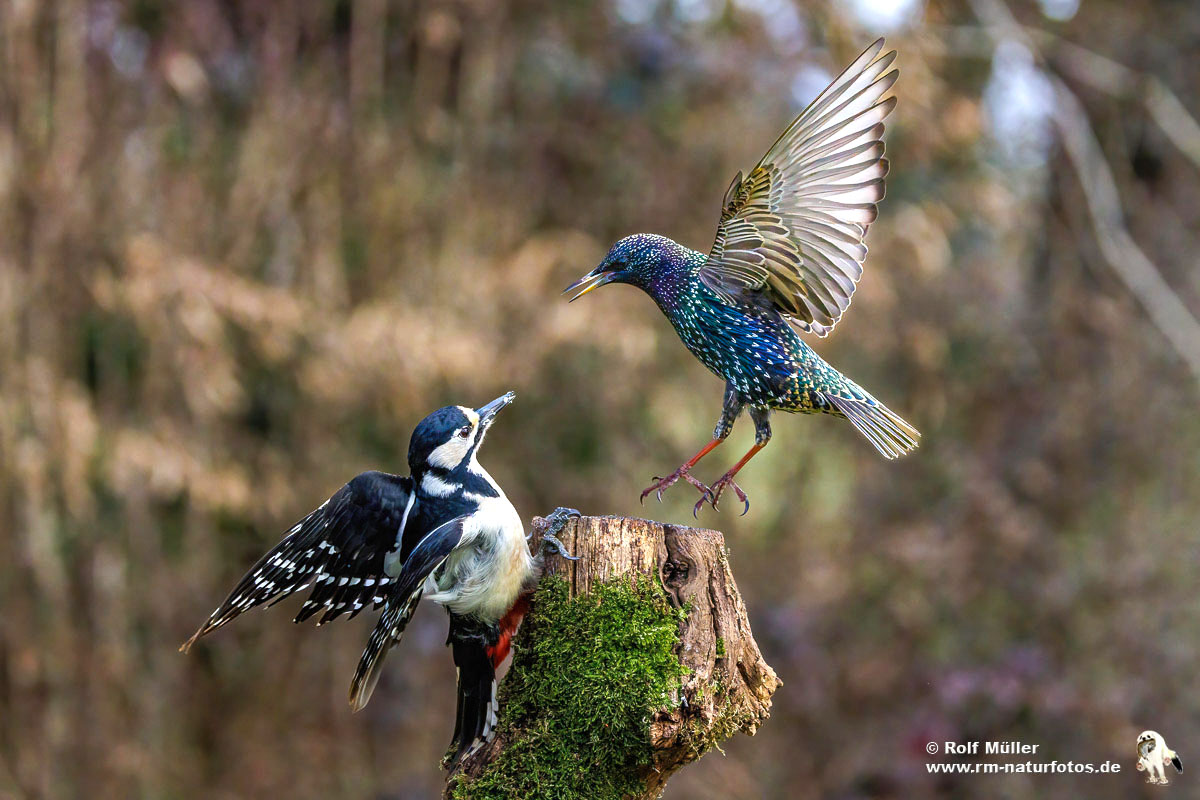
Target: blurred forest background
245 246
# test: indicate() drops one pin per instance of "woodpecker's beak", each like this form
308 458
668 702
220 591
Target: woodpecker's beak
597 277
487 413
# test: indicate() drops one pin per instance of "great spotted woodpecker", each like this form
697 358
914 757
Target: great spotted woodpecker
446 532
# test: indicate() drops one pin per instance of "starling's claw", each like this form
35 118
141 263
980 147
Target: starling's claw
658 485
724 481
661 484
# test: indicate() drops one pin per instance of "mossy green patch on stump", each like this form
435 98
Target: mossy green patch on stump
576 705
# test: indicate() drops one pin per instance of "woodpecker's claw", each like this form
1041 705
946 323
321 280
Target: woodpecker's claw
559 516
551 544
557 521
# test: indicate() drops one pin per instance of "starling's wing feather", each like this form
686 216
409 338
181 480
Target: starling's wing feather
792 230
339 550
422 562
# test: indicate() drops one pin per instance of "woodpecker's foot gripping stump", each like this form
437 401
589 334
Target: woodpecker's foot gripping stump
633 661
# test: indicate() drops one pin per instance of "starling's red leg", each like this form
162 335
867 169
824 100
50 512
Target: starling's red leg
685 473
727 480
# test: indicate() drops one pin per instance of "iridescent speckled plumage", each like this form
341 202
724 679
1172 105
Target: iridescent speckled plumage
788 254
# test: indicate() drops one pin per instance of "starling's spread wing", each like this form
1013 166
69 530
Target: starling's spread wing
422 562
339 550
792 230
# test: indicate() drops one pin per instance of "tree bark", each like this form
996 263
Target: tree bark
727 687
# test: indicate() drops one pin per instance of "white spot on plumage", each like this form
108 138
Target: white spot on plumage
391 562
433 485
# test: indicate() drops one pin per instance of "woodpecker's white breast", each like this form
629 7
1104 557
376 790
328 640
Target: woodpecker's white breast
491 565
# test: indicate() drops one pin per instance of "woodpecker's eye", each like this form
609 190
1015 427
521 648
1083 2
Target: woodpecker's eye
464 431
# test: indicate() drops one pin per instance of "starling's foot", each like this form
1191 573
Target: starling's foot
662 483
714 495
557 521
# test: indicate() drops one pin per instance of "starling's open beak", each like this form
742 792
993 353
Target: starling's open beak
488 412
595 278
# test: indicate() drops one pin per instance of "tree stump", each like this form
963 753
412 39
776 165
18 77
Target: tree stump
632 662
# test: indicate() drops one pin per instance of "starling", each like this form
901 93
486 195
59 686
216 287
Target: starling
788 254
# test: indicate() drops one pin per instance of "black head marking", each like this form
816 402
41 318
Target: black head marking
438 429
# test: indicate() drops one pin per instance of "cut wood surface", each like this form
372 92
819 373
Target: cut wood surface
727 686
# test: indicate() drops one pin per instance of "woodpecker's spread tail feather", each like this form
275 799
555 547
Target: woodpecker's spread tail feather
387 634
884 428
476 718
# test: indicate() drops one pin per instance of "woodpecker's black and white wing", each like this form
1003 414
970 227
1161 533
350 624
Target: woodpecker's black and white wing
429 554
340 551
793 230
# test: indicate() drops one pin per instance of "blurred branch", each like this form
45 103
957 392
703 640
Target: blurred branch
1099 72
1118 80
1140 275
1134 267
12 785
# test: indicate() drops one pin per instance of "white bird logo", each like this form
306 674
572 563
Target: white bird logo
1153 757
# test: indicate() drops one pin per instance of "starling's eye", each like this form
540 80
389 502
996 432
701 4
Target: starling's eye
464 431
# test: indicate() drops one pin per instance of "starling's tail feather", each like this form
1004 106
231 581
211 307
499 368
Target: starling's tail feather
884 428
386 635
